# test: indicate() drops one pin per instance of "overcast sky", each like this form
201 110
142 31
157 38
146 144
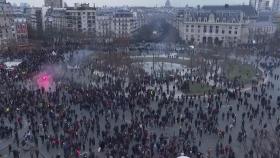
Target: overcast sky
100 3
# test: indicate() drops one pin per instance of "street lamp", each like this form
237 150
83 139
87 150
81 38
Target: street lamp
192 52
254 44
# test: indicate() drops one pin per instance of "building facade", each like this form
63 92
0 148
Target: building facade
276 6
6 23
54 3
34 18
263 29
81 18
141 18
56 19
206 27
261 5
214 25
104 24
20 31
119 23
123 24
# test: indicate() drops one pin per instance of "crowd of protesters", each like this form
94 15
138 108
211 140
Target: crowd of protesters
130 118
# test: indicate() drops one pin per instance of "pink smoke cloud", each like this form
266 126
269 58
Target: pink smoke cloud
44 80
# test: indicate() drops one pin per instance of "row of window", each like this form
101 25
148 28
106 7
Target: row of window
217 27
198 39
211 29
224 20
83 13
264 29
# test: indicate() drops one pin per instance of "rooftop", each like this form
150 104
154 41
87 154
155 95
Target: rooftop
246 9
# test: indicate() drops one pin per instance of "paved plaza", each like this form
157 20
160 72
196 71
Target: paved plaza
88 112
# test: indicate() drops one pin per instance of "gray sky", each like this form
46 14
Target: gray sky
100 3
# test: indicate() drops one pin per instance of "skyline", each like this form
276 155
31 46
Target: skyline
147 3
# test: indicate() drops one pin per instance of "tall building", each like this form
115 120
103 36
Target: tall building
34 18
20 31
81 18
124 24
6 23
261 5
118 23
104 24
56 19
276 6
54 3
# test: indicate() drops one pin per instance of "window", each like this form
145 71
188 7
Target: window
205 29
211 29
223 31
217 29
229 32
235 32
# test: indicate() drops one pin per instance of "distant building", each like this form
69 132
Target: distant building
123 23
141 17
276 6
6 23
215 25
104 24
119 23
20 31
34 18
263 29
81 18
56 19
54 3
261 5
276 18
167 4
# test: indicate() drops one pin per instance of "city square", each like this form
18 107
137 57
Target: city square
155 82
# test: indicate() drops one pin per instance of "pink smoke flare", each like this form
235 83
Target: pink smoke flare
44 80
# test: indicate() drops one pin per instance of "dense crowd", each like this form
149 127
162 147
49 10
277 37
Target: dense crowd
122 118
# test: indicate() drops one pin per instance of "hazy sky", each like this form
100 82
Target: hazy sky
100 3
